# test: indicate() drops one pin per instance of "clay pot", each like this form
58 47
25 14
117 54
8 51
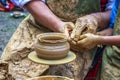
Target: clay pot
50 78
52 46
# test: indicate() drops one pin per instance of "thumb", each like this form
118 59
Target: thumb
68 28
82 37
66 32
73 33
99 33
81 42
69 25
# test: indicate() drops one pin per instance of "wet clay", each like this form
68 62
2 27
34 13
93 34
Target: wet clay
52 46
4 75
50 78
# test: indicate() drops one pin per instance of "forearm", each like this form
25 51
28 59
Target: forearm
103 18
43 15
111 40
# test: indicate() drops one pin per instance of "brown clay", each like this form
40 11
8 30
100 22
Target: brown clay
52 46
50 78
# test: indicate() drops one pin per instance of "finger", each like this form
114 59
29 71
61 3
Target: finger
68 28
73 42
77 33
101 33
82 37
81 26
98 33
78 29
73 33
81 42
70 25
66 32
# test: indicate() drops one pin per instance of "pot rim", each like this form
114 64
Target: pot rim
45 37
50 76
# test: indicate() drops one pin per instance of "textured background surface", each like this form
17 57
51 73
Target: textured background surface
7 27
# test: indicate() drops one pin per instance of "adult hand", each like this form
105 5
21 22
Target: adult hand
67 29
85 24
89 41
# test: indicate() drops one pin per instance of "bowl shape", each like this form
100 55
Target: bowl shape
52 46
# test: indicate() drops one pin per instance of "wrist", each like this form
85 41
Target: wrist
100 40
60 26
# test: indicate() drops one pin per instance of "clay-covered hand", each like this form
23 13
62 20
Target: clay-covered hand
67 29
89 41
85 24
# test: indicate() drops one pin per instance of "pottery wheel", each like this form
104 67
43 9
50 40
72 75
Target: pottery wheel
33 56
